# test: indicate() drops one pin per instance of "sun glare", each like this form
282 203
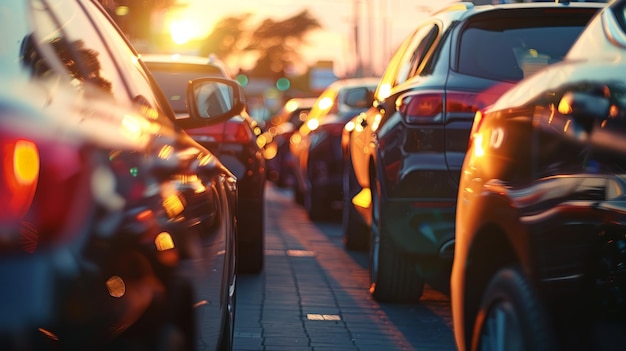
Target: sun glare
182 31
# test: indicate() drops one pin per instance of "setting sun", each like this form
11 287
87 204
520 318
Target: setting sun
184 30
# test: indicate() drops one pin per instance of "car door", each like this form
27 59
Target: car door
191 192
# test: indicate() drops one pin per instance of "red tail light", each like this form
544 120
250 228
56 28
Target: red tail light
422 107
44 192
231 131
427 106
20 175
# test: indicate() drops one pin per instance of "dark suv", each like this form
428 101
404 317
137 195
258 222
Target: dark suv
407 150
540 259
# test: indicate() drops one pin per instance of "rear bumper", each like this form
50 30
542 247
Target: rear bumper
420 228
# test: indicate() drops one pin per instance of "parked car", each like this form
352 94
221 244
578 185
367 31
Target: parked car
540 250
316 146
407 150
278 158
234 142
117 229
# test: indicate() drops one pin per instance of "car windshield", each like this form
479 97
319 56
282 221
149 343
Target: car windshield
511 52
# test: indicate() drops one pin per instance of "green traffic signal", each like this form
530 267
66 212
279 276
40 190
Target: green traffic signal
283 84
242 79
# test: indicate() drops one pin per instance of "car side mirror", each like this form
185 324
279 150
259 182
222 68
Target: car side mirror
359 98
212 100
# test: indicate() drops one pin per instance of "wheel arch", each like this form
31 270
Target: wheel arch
491 249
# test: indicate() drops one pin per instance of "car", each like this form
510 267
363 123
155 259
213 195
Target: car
118 230
278 158
540 220
234 142
406 151
316 145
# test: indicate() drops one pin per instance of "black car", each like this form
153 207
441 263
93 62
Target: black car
234 142
541 214
316 145
117 229
407 150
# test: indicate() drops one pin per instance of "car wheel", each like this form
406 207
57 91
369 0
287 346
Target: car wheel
250 253
298 195
355 231
511 317
393 278
314 204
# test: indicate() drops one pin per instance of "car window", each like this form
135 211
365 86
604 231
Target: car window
511 50
73 40
173 82
407 59
387 81
141 85
416 51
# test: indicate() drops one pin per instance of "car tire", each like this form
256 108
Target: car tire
314 205
511 307
393 277
250 255
298 195
355 231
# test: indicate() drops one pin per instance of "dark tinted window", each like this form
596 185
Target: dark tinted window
515 48
77 45
173 81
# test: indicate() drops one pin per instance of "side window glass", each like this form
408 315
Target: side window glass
71 38
388 78
422 50
138 79
416 51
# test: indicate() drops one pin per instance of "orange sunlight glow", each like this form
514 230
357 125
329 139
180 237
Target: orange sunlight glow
181 31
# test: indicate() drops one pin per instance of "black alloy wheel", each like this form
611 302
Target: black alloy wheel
511 316
393 278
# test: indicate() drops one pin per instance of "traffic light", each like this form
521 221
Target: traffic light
283 83
243 79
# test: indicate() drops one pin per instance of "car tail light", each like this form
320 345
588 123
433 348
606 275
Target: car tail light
422 107
428 106
44 192
231 131
20 175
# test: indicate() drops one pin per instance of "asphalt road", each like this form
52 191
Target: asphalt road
312 294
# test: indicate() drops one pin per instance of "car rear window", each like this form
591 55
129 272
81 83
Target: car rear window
509 49
173 81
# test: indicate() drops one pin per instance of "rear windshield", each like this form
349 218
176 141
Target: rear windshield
173 82
511 49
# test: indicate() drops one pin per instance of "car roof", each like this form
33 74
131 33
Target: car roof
178 59
464 10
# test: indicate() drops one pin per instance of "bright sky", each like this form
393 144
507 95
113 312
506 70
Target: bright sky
393 20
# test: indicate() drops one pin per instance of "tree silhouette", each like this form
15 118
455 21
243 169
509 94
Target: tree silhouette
275 43
228 34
